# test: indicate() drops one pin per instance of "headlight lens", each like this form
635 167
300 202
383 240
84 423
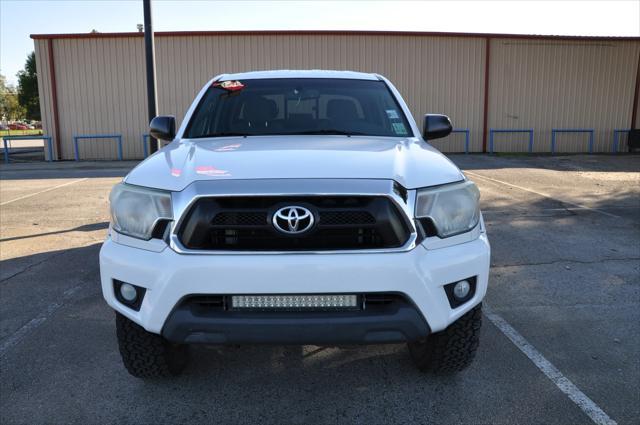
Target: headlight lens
453 209
135 210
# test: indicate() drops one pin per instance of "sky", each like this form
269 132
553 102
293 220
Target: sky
20 18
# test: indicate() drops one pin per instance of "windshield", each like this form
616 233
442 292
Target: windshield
298 106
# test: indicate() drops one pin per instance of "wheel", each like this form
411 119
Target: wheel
145 354
451 350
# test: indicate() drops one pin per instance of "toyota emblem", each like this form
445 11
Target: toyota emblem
293 220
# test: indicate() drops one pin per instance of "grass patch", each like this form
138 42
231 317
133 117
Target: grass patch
20 133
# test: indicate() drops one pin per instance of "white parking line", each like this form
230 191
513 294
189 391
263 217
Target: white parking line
526 189
587 405
17 336
43 191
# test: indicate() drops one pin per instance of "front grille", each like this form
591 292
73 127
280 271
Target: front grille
340 223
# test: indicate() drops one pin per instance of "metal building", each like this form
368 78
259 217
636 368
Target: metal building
95 83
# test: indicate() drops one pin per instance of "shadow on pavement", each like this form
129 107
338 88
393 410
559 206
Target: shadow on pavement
594 163
65 169
84 228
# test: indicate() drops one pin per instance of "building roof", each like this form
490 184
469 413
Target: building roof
332 32
285 73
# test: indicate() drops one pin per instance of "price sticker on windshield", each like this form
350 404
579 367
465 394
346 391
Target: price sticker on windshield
229 85
399 128
392 114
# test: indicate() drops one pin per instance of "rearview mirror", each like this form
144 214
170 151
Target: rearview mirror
163 127
436 126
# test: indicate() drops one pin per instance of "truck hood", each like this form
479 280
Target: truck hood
410 162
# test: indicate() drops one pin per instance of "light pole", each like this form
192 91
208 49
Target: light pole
150 55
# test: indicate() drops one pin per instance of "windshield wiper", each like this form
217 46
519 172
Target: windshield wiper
223 134
305 132
329 131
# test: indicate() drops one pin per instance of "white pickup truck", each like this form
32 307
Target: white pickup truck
296 207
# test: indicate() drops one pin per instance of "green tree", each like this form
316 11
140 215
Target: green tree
28 88
10 108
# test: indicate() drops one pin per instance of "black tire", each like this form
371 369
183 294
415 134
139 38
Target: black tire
451 350
145 354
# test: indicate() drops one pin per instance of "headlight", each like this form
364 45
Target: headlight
453 209
135 210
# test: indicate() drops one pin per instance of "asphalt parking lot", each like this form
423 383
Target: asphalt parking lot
560 341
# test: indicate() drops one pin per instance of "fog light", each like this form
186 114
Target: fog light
461 289
461 292
128 292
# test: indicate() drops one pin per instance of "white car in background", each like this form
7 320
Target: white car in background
296 207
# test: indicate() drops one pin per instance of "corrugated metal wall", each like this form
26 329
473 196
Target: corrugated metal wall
533 83
101 90
44 88
544 84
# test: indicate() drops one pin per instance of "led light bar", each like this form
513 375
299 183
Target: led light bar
294 302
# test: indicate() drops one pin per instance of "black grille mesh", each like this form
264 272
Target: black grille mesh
243 218
346 218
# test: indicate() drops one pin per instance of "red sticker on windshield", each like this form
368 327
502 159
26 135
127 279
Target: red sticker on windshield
229 85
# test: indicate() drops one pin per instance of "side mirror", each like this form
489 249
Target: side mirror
163 127
436 126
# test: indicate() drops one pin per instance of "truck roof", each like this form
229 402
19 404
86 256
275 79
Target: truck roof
312 73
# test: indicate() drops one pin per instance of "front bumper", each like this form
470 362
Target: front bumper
396 322
418 274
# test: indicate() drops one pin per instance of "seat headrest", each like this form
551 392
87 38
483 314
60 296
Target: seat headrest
341 109
259 110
